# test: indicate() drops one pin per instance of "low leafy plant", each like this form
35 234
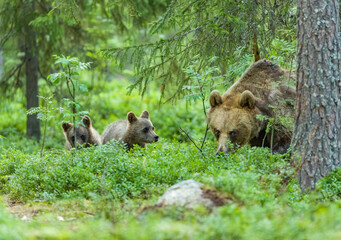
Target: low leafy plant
110 170
120 187
44 113
330 186
68 74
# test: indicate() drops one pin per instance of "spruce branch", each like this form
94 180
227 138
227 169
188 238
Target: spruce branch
206 28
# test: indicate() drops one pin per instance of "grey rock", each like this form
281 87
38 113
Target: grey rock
187 194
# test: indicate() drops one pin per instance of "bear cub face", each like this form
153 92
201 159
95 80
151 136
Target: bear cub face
133 130
81 136
142 128
234 120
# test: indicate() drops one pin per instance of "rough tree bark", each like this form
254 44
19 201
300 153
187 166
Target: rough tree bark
317 136
31 56
255 48
1 64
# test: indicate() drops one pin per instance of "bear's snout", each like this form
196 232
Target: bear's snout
222 148
156 138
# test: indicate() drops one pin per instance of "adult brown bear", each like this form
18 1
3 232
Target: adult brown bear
262 90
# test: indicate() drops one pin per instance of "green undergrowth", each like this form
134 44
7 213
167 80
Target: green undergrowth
111 171
108 193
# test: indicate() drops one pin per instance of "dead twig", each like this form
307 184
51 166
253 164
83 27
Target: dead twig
186 134
203 141
89 213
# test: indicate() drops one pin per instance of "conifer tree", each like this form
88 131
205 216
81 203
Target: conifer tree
317 134
200 29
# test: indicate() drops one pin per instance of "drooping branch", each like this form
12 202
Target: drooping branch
7 36
202 28
15 70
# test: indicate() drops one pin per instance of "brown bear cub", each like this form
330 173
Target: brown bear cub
262 90
85 135
134 130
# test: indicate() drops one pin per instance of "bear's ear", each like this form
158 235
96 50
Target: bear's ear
144 114
215 99
66 126
247 99
131 117
87 121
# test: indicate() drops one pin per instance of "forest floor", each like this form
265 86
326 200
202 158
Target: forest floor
108 193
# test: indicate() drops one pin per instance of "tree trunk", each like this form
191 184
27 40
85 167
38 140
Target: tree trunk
317 136
255 48
31 55
1 64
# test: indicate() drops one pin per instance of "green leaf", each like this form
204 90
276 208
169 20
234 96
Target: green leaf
83 88
55 78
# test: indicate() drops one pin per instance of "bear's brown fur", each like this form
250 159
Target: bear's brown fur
232 116
85 135
134 130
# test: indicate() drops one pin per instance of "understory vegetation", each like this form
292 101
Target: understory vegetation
108 193
166 57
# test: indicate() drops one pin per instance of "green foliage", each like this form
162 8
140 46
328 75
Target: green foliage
201 84
237 67
7 226
283 53
69 74
330 186
44 114
13 115
206 29
107 103
277 122
129 15
265 199
109 170
75 28
107 193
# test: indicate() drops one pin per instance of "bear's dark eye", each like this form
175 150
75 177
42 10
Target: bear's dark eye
217 133
83 138
73 139
233 134
145 130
